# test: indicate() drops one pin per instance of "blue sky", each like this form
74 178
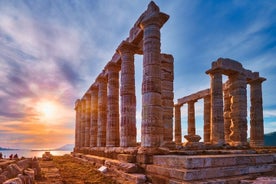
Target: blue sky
51 52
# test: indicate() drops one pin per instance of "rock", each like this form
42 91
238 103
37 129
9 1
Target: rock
47 156
24 164
13 170
14 181
26 179
2 178
103 169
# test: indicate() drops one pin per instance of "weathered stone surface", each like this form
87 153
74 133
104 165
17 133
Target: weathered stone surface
207 118
14 181
94 116
217 124
127 93
102 110
256 113
177 119
127 158
112 135
14 170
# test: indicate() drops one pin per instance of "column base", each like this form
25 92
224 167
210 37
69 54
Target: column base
239 144
256 143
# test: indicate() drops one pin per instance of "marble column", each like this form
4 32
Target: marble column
102 110
87 120
191 117
83 121
237 90
256 113
77 125
112 135
217 121
128 97
167 97
152 133
94 116
207 118
227 112
177 124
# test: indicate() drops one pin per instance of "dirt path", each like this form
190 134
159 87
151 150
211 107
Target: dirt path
67 170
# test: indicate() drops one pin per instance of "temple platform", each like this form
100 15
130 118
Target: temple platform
206 166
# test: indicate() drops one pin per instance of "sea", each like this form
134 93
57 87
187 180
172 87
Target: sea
32 153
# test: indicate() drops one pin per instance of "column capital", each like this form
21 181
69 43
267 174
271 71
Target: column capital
257 80
77 103
101 78
94 87
112 67
157 18
192 101
214 71
127 47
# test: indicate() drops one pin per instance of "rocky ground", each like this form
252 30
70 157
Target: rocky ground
67 170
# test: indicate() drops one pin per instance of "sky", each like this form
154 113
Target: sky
51 52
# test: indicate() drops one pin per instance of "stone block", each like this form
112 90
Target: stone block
126 158
144 159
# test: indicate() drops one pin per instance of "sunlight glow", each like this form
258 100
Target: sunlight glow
47 110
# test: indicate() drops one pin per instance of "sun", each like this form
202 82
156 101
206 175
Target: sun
47 109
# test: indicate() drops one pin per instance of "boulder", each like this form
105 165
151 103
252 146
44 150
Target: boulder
14 170
14 181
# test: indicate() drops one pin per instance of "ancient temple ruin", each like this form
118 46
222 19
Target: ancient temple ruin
106 131
225 107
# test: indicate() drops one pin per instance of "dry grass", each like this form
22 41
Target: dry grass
76 172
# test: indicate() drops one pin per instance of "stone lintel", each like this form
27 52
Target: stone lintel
258 80
126 47
101 77
112 66
116 58
227 66
194 96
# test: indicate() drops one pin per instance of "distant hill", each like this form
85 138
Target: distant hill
270 139
1 148
66 147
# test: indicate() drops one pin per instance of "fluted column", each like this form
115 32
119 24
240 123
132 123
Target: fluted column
102 110
128 97
217 121
207 118
112 135
152 133
167 95
177 124
77 125
227 112
256 113
87 120
94 116
83 121
191 117
237 90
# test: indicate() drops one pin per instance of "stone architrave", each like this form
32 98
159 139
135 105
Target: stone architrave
94 116
102 110
177 124
191 117
256 113
217 121
237 91
207 118
152 128
167 96
77 125
128 97
112 135
227 112
87 120
83 121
